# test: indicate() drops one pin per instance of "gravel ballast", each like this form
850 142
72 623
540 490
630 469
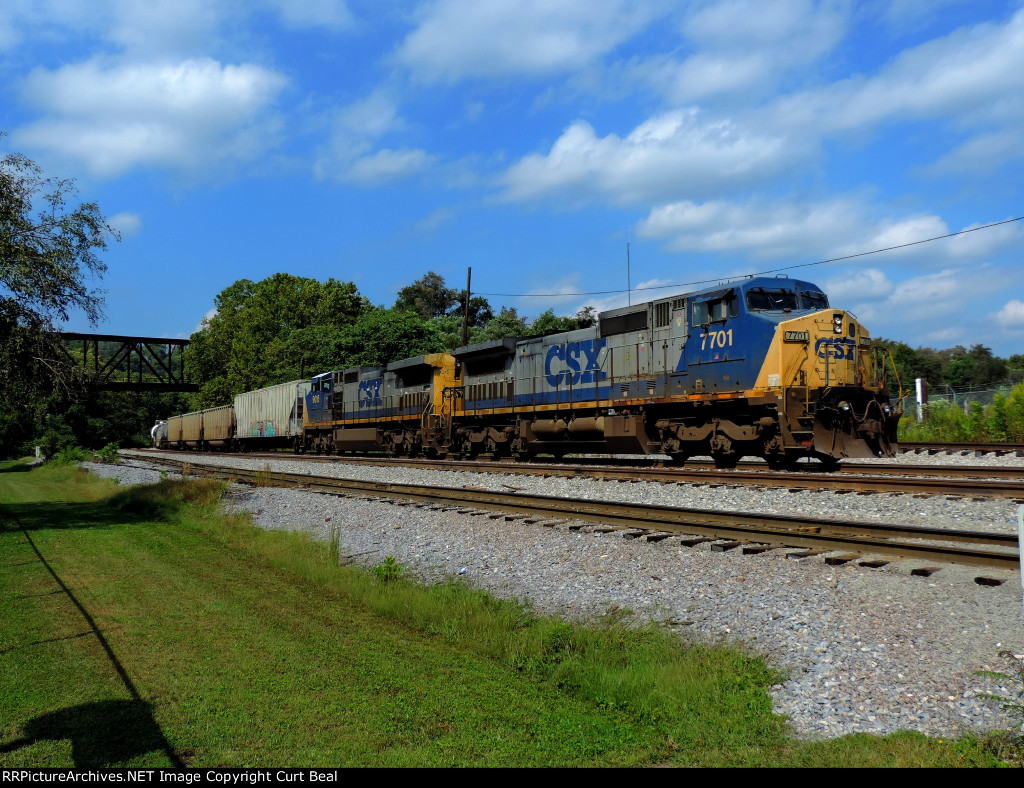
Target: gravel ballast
865 650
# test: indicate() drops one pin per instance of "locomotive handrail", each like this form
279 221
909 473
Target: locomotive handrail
899 385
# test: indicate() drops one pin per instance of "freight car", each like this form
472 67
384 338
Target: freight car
264 419
761 367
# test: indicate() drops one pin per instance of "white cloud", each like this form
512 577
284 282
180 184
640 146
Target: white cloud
801 230
11 20
37 20
982 243
642 291
972 75
162 28
187 115
331 14
436 218
458 39
747 46
348 158
982 153
910 15
1012 314
761 229
941 307
891 233
672 155
210 315
369 117
561 291
857 285
948 307
126 223
385 165
157 28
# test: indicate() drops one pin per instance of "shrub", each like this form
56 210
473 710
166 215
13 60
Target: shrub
945 422
1010 746
108 454
160 500
389 570
70 455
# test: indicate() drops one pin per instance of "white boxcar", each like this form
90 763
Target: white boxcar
272 416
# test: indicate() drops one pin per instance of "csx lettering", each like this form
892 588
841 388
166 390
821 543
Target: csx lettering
839 349
579 363
369 392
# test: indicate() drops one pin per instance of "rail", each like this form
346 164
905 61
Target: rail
903 541
966 482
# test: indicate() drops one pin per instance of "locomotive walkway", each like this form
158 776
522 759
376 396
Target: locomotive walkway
753 533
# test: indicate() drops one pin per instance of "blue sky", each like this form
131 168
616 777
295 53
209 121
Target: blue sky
374 141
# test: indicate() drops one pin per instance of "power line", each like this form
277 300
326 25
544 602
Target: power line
759 273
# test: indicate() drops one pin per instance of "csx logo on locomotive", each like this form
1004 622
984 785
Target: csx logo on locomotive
369 393
579 363
839 349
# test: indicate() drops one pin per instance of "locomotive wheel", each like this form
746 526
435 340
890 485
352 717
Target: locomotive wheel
781 462
726 461
497 450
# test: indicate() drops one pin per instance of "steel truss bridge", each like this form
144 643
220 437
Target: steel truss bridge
117 363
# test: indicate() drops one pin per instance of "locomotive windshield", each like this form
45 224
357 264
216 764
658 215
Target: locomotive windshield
813 299
759 300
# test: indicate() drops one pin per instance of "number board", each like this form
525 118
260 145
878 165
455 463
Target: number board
797 336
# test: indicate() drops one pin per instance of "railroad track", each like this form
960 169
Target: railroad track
752 532
860 477
965 448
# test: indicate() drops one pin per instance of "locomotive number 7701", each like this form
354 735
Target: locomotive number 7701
715 339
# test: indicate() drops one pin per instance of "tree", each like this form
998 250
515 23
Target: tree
278 329
383 335
508 323
480 312
586 317
911 364
427 296
548 322
48 252
449 328
1015 368
973 368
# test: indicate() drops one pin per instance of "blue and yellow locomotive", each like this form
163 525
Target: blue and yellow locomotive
761 367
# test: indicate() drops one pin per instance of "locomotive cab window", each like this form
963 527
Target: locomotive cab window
715 310
812 299
761 300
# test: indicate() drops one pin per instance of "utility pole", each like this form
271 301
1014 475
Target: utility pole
629 279
465 314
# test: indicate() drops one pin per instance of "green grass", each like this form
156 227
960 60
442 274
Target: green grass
229 645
